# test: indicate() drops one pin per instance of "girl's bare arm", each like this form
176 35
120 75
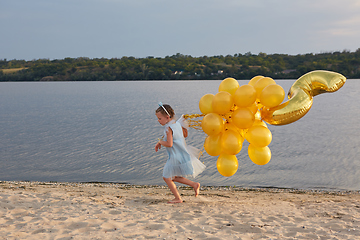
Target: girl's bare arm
169 139
185 132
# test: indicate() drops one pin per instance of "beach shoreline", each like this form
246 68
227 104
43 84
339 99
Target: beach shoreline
61 210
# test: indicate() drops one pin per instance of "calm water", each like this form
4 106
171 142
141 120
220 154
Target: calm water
106 131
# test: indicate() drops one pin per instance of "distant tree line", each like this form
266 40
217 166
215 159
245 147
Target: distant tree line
180 67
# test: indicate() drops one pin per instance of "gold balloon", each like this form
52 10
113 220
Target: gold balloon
245 96
259 122
227 165
222 102
301 96
259 136
259 155
254 108
212 124
272 95
254 80
261 84
257 115
229 85
212 145
205 103
231 126
243 118
231 142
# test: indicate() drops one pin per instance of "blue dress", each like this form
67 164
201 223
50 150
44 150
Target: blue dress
183 160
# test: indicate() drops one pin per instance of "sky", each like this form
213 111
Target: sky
56 29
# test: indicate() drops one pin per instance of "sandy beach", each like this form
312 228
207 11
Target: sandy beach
39 210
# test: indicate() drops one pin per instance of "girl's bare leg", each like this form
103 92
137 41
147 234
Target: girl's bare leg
174 190
190 183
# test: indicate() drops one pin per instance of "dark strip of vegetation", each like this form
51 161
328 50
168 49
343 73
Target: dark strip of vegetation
180 67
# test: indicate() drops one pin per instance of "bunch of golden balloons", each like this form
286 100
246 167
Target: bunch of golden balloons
233 115
238 113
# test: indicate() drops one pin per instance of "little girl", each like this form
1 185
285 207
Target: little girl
182 161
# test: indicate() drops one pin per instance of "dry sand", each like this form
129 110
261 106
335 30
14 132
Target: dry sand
35 210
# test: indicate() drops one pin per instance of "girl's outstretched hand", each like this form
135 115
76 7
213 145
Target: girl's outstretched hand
157 146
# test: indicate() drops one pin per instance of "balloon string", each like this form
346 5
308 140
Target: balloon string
194 120
201 153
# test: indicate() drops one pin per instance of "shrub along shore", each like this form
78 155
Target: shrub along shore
181 67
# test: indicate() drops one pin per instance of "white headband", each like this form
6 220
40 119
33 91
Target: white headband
161 105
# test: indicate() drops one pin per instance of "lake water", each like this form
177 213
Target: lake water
106 131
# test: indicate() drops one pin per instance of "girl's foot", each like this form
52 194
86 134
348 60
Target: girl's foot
197 189
175 201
